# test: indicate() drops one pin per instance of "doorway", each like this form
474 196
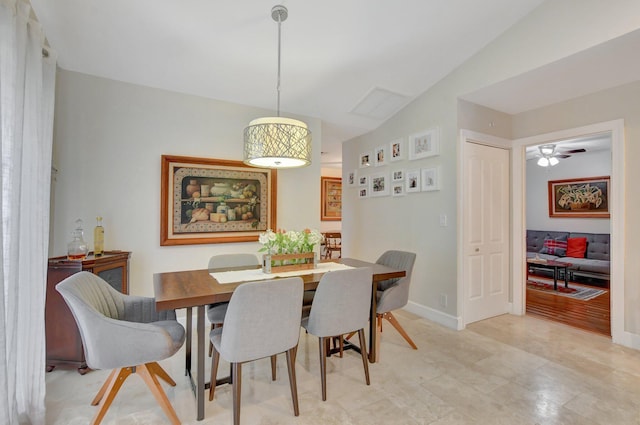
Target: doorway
585 300
616 129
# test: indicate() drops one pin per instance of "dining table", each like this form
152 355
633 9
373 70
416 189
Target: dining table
191 289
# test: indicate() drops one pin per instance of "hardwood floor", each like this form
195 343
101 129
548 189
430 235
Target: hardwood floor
592 315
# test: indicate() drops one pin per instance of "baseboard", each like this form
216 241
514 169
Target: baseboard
434 315
628 339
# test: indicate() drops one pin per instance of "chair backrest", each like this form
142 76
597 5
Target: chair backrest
394 293
341 303
333 240
233 260
85 290
91 301
118 330
263 318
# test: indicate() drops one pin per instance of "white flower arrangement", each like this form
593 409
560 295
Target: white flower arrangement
289 242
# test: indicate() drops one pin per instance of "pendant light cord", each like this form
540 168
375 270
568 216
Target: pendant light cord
279 37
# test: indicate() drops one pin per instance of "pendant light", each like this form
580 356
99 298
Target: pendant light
277 142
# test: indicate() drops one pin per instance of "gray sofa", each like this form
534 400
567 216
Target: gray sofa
596 263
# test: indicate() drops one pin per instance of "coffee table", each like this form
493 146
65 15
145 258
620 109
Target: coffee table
556 266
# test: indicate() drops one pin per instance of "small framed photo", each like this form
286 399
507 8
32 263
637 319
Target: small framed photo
363 181
352 178
397 189
412 181
397 175
379 185
380 156
424 144
396 150
430 179
363 192
365 159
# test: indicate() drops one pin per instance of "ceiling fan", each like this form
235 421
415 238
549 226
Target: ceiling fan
549 156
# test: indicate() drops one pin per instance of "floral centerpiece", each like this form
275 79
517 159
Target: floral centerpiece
289 250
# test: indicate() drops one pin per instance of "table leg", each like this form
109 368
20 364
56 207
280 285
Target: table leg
372 324
555 278
187 356
200 366
566 277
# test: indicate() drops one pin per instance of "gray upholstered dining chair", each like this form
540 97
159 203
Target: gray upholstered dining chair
123 333
217 311
341 306
262 320
393 293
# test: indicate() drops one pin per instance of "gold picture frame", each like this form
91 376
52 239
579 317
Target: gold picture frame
331 198
205 201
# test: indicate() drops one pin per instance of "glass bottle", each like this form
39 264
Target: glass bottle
98 238
77 248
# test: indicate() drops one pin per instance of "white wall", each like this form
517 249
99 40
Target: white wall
587 164
109 137
555 30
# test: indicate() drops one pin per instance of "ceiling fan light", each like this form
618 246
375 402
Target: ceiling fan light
547 150
543 162
553 161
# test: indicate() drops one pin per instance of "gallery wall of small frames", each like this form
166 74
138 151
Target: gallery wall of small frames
384 171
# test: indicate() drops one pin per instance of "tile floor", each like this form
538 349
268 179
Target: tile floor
505 370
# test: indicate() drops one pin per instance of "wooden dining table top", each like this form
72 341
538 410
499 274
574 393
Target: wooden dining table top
192 288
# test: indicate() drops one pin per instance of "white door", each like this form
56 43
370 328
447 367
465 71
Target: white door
485 231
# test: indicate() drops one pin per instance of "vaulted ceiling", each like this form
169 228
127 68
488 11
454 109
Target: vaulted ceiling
350 63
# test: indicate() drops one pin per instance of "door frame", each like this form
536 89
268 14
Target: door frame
466 137
617 203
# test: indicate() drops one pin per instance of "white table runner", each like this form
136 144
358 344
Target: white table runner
257 274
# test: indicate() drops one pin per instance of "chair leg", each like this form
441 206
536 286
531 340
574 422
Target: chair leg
146 371
274 364
161 373
291 367
215 359
323 366
338 343
363 352
115 382
394 322
237 392
378 335
103 389
211 343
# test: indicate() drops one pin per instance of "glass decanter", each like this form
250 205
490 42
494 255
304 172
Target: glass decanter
77 248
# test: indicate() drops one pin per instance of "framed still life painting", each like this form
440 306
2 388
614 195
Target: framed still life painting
206 201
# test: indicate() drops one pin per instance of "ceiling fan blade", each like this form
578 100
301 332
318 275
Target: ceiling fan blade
574 151
562 156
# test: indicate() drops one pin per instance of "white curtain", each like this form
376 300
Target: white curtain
27 80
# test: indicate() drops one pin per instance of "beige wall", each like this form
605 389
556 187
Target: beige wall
553 31
108 140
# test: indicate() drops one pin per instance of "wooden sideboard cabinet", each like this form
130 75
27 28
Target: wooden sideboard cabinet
64 344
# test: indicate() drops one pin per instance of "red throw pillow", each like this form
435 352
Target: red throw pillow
576 247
